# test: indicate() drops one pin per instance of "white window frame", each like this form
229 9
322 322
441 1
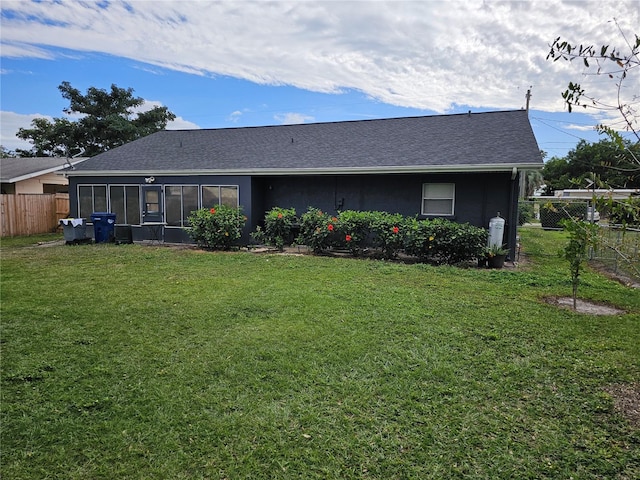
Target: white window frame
202 187
183 220
126 212
426 197
93 197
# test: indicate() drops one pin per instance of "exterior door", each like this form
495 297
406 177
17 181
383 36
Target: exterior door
152 204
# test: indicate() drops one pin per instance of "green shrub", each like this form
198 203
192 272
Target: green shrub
525 213
316 229
216 228
352 231
389 233
435 241
442 241
278 224
625 212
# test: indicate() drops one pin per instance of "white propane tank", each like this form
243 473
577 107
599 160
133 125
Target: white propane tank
496 231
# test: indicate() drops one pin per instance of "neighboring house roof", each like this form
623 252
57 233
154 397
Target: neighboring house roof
493 141
14 170
586 194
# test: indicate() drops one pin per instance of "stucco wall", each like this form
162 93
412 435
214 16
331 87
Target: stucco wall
37 184
478 197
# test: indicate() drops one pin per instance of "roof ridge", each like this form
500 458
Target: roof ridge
331 122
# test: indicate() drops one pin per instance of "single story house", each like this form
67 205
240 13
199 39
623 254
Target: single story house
463 167
35 175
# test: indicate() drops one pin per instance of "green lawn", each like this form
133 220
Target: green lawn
150 362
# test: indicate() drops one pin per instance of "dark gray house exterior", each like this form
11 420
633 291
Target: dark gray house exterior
463 167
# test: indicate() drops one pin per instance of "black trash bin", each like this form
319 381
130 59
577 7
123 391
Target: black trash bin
123 233
103 226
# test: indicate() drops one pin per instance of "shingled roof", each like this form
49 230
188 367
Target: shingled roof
14 170
492 141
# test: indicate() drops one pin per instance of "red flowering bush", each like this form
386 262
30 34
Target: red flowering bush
278 225
353 231
388 231
435 241
314 229
216 228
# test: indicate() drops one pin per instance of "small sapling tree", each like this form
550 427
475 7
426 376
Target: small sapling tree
582 236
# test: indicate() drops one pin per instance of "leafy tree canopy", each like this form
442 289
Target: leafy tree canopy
603 162
6 153
106 120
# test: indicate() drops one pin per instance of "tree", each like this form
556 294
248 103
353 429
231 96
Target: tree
600 162
618 65
107 120
531 180
609 62
582 236
5 153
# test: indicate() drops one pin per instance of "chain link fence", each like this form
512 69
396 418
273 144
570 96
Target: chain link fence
618 249
548 213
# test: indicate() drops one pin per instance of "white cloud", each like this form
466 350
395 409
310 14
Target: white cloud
10 50
181 124
178 123
580 128
292 118
234 116
431 55
10 122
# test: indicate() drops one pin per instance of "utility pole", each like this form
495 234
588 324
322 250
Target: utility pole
528 97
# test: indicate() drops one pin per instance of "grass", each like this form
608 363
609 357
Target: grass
139 362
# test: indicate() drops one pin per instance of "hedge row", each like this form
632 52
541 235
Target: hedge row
434 241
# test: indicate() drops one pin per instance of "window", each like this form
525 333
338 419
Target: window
438 198
124 201
180 201
91 198
219 195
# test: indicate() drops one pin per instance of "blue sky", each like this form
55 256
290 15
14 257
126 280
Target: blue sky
235 64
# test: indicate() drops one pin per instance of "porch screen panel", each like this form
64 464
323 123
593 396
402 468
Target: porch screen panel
116 198
100 198
132 204
124 201
180 201
85 201
210 196
173 205
91 198
189 202
229 196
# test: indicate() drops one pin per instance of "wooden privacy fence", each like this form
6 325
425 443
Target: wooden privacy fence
29 214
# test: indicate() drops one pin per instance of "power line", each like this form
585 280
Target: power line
558 129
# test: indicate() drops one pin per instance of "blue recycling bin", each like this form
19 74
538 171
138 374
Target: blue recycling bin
103 226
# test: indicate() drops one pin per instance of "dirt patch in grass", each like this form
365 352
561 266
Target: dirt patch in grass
584 306
626 400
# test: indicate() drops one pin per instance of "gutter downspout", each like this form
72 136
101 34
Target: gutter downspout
512 219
